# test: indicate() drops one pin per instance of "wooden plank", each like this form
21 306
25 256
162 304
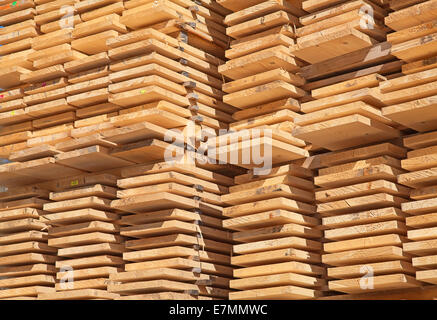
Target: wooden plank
173 188
168 215
82 239
421 178
168 274
183 264
259 9
364 256
366 230
95 190
85 227
275 256
417 141
412 16
44 169
95 158
331 43
173 226
82 294
362 189
89 273
78 203
388 282
181 168
262 193
32 291
33 269
101 248
380 268
419 207
277 280
179 240
269 218
276 293
265 205
27 258
176 251
166 285
79 216
288 230
324 132
255 63
168 177
379 53
360 244
360 203
414 114
279 268
371 173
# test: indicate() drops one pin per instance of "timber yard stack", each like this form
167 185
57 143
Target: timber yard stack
16 37
359 199
409 99
336 28
346 110
263 84
27 263
83 229
422 232
178 247
166 72
360 203
278 250
103 85
410 102
106 110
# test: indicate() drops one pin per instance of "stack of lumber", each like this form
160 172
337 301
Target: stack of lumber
178 248
27 263
261 79
165 72
99 86
421 178
410 99
335 28
16 37
278 251
414 39
79 95
346 114
83 229
345 105
360 203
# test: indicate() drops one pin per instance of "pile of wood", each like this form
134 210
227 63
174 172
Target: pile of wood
86 235
261 79
27 263
346 114
167 74
272 214
410 100
176 247
137 137
98 86
278 251
335 28
421 178
414 39
360 202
